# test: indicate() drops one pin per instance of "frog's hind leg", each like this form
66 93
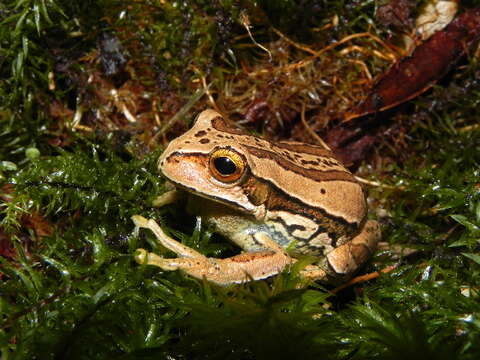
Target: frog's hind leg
237 269
343 261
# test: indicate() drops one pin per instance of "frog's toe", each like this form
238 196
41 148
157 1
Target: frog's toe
141 256
140 221
144 257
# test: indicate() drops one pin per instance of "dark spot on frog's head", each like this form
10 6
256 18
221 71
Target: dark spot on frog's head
204 141
220 136
200 133
187 142
323 191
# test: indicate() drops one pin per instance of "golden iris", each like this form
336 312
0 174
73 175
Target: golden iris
226 165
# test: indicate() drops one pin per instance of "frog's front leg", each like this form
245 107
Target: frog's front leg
237 269
169 197
343 261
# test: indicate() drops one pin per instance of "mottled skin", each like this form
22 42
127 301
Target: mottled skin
274 196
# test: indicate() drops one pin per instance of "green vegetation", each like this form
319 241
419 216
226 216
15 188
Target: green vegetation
74 169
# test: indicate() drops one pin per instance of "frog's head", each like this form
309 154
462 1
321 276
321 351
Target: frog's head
211 160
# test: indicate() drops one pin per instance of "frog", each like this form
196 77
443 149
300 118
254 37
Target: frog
277 201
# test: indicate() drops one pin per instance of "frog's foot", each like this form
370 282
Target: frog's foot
237 269
343 261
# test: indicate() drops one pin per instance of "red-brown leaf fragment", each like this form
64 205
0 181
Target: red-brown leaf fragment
38 223
416 73
6 248
350 144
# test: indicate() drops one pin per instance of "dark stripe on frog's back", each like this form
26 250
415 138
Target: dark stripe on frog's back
305 148
278 200
314 174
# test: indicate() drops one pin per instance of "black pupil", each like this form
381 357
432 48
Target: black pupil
224 165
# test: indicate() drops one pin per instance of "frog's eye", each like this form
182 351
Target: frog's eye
226 165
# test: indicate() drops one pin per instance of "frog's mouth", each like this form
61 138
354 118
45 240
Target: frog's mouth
197 197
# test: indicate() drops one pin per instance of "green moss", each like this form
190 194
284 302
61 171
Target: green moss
29 33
